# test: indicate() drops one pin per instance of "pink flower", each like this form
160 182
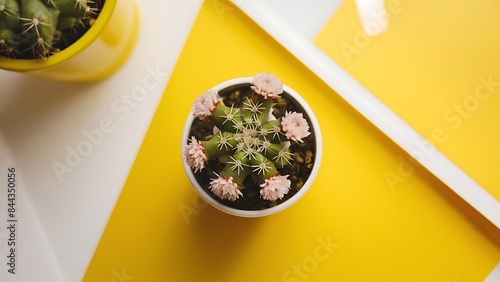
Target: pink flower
205 104
275 187
267 85
225 188
295 126
194 154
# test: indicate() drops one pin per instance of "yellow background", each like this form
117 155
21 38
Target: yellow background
417 230
426 66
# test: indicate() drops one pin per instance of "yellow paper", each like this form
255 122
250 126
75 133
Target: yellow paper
350 226
437 65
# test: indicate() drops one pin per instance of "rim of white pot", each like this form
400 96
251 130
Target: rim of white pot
282 206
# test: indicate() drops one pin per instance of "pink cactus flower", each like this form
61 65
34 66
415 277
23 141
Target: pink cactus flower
194 154
267 85
225 188
204 105
275 187
295 126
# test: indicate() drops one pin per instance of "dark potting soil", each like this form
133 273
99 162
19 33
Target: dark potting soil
303 153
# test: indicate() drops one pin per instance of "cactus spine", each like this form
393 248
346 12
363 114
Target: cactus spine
32 29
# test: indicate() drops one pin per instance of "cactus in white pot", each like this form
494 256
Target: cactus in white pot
248 141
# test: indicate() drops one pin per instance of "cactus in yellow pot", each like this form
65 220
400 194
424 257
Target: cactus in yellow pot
47 38
39 28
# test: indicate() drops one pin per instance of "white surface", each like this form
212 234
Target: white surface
305 18
367 104
61 220
30 234
494 275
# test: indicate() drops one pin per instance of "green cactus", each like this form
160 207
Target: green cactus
32 29
248 140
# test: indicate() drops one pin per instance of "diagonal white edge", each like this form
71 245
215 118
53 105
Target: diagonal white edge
494 274
375 111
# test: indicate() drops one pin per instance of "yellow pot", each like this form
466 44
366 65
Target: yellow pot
98 54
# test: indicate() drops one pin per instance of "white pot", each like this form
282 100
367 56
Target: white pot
268 211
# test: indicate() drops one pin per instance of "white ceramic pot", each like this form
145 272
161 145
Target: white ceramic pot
268 211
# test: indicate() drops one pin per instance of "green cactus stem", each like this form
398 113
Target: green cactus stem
33 29
9 14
